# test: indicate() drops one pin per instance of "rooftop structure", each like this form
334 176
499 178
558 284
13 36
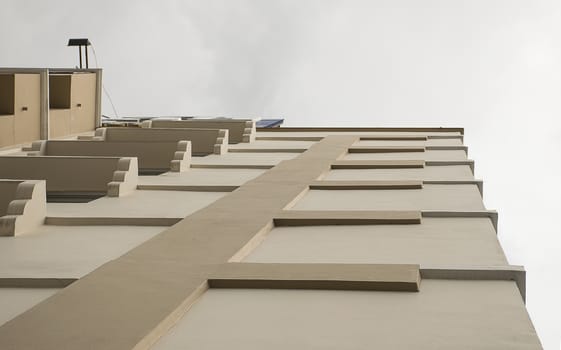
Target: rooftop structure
212 233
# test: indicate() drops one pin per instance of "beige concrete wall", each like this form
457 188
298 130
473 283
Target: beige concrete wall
8 190
63 174
82 102
6 130
428 142
27 122
14 301
434 242
140 204
244 159
430 197
203 177
60 123
240 130
27 209
151 155
20 103
68 251
427 155
443 315
203 141
448 172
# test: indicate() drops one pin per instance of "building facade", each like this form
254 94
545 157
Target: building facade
215 234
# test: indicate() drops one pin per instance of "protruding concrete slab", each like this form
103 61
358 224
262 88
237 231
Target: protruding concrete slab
380 149
404 278
366 185
377 164
306 218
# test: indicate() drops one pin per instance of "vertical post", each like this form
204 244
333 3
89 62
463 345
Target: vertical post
86 49
80 54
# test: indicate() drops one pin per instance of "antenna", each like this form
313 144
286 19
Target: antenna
81 42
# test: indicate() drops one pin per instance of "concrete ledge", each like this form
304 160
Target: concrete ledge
165 155
478 183
36 282
377 164
405 278
289 138
447 148
196 188
380 149
267 150
27 209
203 141
491 214
358 129
366 185
393 138
500 273
468 162
95 221
233 166
332 217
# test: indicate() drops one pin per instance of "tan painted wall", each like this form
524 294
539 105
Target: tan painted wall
72 104
83 99
468 315
448 172
60 123
434 242
20 100
430 197
27 122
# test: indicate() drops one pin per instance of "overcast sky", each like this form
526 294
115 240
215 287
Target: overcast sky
493 67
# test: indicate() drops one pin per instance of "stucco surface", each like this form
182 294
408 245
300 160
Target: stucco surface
436 241
68 251
427 155
14 301
430 197
203 177
244 158
443 315
429 142
267 144
158 204
448 172
365 133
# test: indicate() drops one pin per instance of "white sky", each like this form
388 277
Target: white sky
493 67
